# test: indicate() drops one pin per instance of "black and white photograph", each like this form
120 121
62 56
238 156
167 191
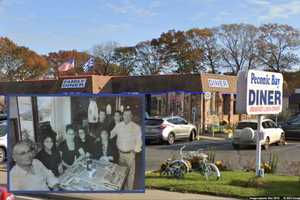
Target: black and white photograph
76 143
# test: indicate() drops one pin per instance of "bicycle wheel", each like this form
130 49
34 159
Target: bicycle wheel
212 172
180 166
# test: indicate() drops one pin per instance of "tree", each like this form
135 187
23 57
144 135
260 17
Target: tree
126 59
277 45
177 54
205 40
148 58
105 52
238 46
19 63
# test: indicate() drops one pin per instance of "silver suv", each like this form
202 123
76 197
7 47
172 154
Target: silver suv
3 141
169 129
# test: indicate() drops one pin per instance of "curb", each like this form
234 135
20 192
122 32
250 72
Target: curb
212 138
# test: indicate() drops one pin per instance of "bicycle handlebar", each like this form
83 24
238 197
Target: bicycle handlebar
180 151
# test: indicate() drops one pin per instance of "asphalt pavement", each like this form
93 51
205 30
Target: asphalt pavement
235 159
156 154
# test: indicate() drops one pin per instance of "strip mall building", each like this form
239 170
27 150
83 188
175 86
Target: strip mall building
203 99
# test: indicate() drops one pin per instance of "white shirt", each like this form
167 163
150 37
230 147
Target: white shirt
39 180
93 112
129 136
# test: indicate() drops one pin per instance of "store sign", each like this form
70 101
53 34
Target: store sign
259 92
218 83
73 83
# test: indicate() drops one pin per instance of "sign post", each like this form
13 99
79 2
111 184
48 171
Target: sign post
258 170
259 93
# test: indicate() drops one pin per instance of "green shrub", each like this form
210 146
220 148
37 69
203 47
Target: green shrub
273 162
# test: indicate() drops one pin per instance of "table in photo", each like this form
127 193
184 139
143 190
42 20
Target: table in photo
102 176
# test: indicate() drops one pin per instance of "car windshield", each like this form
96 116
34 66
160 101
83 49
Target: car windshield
242 125
2 130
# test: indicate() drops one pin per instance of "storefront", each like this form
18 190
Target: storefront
203 99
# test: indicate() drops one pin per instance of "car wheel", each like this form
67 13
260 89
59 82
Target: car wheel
171 138
267 143
282 140
236 146
2 154
192 135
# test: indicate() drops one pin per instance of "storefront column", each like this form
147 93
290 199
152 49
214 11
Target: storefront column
206 110
220 106
148 103
231 104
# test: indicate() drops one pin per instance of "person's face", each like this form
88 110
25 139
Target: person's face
104 137
117 117
127 116
48 143
102 116
23 155
81 134
70 134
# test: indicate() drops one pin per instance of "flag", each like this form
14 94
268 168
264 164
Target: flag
88 65
67 65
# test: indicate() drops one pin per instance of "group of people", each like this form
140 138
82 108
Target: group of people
116 140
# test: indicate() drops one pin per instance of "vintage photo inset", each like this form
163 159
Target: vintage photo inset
76 143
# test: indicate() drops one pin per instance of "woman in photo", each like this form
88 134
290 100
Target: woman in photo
49 156
106 149
67 148
84 143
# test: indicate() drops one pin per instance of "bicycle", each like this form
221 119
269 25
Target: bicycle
178 168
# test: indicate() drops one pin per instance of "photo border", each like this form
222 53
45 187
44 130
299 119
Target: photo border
123 94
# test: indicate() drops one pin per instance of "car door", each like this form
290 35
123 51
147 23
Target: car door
292 128
276 132
184 128
180 127
175 127
267 130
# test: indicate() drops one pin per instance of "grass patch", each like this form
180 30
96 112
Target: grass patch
234 184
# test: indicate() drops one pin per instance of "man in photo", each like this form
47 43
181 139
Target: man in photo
30 173
129 142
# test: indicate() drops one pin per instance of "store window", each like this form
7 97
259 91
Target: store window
26 118
53 114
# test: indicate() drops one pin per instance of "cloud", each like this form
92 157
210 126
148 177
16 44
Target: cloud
131 8
282 11
259 2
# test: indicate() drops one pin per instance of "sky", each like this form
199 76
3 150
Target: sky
52 25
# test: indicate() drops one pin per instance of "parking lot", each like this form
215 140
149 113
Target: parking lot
237 159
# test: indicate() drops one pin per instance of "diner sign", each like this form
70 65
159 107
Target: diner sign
73 83
259 92
218 83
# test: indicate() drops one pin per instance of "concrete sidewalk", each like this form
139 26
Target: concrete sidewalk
149 195
207 137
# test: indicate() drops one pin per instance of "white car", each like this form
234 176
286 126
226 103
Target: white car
246 132
169 129
3 141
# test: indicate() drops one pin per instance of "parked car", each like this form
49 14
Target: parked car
5 195
3 141
169 129
292 127
245 133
